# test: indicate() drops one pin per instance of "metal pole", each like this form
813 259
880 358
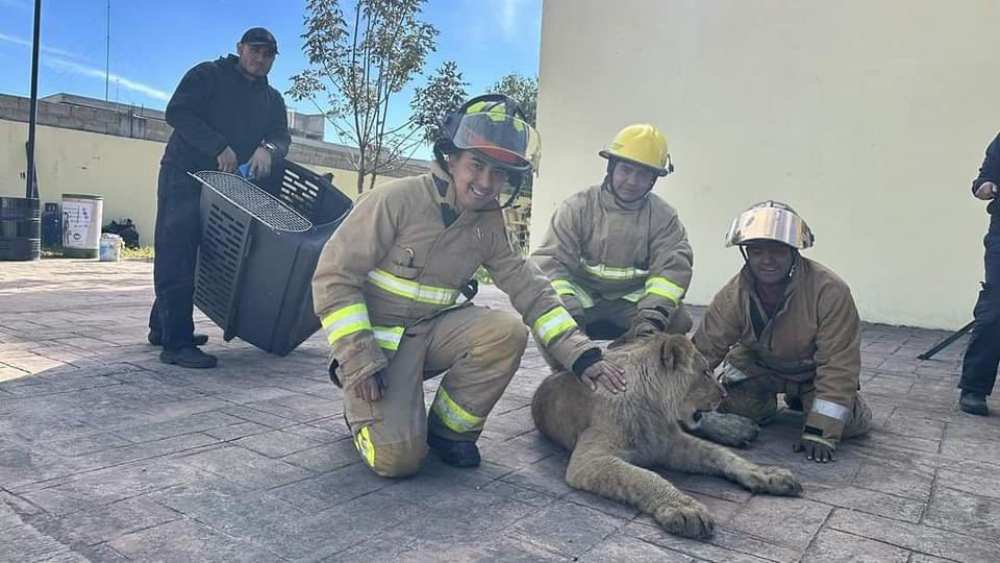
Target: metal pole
107 54
947 341
30 191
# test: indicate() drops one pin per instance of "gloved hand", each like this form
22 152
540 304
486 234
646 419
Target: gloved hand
371 389
816 449
645 327
607 374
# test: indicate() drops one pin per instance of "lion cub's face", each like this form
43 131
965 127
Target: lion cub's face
686 366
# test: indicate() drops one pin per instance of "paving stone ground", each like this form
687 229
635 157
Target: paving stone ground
108 455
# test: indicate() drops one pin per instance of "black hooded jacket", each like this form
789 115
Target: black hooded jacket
216 106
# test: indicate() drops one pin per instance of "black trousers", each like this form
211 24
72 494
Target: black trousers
178 234
979 367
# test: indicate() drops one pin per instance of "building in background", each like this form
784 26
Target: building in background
91 146
870 118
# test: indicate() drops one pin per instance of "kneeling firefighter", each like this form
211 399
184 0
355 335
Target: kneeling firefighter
618 254
387 290
785 324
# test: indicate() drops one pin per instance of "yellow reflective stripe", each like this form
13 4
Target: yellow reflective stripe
454 416
658 285
606 272
552 324
635 296
388 337
364 445
346 320
413 290
566 287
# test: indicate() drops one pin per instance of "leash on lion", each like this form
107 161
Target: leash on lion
614 439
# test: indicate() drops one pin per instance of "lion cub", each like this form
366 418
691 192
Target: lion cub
613 437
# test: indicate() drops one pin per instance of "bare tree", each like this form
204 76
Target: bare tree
357 67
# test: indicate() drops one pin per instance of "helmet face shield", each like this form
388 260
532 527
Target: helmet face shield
779 224
508 141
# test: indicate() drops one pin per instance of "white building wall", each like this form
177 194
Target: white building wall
869 117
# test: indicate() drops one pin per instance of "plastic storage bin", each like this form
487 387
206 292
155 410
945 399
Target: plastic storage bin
259 249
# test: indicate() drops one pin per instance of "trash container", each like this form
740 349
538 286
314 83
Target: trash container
82 215
51 227
258 251
20 229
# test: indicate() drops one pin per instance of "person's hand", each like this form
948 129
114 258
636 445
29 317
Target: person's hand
260 163
227 160
607 374
372 389
815 451
987 190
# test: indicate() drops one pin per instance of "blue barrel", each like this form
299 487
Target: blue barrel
20 229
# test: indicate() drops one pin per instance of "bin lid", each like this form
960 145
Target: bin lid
82 196
256 202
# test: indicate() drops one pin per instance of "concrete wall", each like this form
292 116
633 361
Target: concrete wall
869 117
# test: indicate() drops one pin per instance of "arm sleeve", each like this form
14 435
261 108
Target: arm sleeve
990 170
671 260
357 246
278 130
183 110
720 328
559 249
534 298
838 363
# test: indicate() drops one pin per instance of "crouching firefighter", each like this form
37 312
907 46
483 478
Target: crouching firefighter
617 254
785 324
387 290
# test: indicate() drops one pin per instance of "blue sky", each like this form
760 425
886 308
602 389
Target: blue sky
154 42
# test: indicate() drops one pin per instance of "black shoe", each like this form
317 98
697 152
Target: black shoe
973 403
458 454
188 357
156 339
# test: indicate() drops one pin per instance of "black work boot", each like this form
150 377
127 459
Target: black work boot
458 454
156 338
973 403
188 357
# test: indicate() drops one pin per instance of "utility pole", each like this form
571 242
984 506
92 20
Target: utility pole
33 107
107 53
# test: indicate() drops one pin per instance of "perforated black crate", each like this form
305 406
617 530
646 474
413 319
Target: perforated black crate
259 250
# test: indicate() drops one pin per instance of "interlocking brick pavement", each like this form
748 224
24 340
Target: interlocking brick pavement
108 455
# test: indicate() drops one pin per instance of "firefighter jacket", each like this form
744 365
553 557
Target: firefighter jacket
815 335
394 262
598 248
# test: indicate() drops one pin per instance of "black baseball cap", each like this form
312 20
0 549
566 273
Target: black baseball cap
259 36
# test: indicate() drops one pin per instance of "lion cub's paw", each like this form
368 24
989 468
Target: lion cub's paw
689 519
772 480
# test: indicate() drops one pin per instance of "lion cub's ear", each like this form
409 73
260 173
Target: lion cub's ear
676 353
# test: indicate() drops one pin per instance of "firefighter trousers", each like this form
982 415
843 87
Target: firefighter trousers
478 349
752 391
608 320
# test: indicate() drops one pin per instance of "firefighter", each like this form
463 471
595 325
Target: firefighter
387 289
786 324
616 253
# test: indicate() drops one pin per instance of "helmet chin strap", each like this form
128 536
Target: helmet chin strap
610 185
791 269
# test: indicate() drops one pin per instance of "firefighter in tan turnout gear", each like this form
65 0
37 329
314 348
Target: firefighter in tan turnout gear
387 289
616 253
785 324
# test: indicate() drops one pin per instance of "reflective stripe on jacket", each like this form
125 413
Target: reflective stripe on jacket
598 248
815 334
393 263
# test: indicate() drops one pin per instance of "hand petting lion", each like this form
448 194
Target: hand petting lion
613 437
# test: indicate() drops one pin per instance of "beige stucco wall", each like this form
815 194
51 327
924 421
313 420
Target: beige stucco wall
869 117
121 169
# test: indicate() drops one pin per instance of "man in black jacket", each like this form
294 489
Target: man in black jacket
979 367
224 114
